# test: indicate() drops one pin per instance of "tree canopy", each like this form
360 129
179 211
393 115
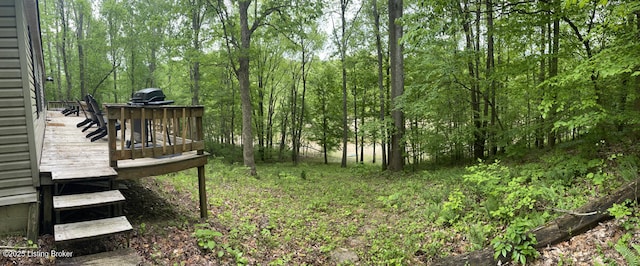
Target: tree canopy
410 81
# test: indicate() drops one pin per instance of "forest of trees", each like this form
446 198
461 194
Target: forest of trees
421 79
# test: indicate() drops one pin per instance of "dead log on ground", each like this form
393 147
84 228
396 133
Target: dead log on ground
558 230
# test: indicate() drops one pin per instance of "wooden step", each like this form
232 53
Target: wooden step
120 257
90 229
85 200
75 174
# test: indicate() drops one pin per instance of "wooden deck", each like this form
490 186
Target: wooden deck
68 154
69 158
66 149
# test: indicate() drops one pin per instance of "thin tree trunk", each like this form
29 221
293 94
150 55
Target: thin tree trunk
58 91
553 71
196 25
355 119
302 108
362 105
80 43
325 126
232 106
343 43
293 106
65 34
491 98
383 131
270 114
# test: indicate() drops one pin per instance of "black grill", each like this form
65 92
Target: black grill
149 96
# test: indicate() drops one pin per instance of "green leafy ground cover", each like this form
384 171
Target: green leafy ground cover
318 214
302 214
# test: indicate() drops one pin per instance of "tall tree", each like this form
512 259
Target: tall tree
197 12
79 12
396 160
241 67
341 39
381 88
64 22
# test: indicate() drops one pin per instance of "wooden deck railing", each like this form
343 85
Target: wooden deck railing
59 105
159 131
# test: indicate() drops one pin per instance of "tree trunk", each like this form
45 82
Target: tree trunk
283 134
355 119
63 49
343 48
196 24
80 43
553 71
270 114
478 137
396 161
302 103
58 77
541 78
491 97
245 90
383 131
325 125
563 228
293 106
362 110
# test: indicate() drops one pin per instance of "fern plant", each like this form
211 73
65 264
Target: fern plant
631 256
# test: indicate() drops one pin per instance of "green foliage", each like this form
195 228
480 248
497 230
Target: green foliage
478 235
516 241
627 213
393 201
452 208
631 256
206 237
31 244
385 218
620 211
516 195
211 240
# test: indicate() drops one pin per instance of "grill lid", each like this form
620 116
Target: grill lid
148 95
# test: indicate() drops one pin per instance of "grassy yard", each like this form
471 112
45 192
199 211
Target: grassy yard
319 214
290 215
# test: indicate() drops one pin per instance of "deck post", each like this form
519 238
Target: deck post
203 193
112 137
47 209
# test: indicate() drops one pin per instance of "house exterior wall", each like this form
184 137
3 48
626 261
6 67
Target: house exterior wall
22 114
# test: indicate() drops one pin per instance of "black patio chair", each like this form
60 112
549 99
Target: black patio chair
70 109
102 125
87 118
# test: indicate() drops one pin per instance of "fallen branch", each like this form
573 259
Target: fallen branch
563 228
572 212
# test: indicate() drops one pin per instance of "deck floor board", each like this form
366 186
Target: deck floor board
68 154
66 148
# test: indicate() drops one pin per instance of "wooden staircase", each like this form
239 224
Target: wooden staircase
86 204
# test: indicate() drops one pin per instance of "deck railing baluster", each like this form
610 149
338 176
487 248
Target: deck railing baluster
179 125
175 130
165 130
184 129
123 131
